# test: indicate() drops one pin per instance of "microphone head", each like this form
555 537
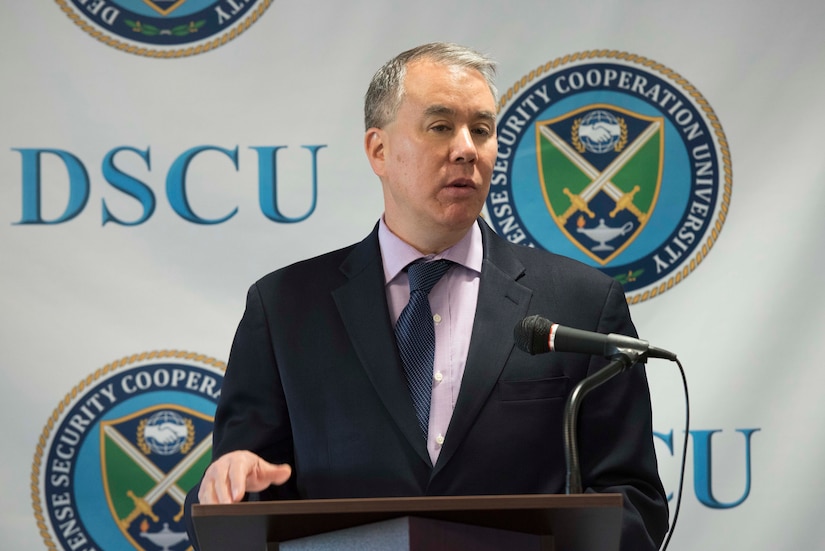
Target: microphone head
532 334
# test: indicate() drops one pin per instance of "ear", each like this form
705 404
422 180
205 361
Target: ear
374 146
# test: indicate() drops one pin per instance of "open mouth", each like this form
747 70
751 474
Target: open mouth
462 183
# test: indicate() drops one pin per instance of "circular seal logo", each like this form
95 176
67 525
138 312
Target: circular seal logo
120 452
615 160
164 28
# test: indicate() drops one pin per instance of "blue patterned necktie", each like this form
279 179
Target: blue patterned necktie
415 333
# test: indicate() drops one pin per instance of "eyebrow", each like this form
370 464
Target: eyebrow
443 110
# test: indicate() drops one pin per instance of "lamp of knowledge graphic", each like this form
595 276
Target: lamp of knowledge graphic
165 538
604 233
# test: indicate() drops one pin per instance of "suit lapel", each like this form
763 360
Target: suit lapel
502 303
366 317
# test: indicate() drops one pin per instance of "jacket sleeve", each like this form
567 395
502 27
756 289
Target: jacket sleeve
616 440
251 413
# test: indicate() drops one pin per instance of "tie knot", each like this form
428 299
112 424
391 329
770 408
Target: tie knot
424 275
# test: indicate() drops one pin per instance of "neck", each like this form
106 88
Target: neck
428 242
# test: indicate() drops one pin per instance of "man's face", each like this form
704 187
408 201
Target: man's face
435 160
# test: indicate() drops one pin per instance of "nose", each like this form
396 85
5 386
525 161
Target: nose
463 148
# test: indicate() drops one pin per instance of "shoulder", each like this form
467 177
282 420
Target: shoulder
307 273
326 271
541 265
570 291
561 266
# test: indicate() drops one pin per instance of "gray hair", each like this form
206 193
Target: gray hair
386 89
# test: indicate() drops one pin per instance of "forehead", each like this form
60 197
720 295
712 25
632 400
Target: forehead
430 83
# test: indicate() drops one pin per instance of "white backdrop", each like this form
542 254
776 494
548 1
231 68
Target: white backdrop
79 294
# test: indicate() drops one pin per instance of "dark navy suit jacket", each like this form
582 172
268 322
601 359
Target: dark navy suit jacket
314 380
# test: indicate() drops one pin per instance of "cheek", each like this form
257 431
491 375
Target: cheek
488 153
405 157
485 170
410 152
415 166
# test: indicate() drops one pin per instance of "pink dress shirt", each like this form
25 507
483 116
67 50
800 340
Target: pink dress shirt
453 303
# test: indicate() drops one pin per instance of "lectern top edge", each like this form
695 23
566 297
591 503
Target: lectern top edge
411 504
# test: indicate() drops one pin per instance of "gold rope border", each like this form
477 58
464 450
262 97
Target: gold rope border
166 54
713 120
70 398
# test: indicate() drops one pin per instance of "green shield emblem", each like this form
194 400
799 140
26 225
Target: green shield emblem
600 169
150 459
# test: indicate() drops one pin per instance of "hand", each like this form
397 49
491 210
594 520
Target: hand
235 473
600 132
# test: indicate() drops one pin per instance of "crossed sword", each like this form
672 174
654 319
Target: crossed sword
165 483
601 181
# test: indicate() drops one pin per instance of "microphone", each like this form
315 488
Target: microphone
537 335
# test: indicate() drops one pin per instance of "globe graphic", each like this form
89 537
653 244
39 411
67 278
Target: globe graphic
601 120
165 432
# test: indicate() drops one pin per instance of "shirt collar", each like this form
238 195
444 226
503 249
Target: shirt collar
396 254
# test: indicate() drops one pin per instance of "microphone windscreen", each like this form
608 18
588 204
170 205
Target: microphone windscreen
532 334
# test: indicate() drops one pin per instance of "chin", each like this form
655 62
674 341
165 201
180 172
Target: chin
460 223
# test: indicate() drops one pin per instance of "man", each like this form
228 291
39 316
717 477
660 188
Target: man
316 402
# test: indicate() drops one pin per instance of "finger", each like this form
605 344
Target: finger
223 493
214 485
206 493
236 480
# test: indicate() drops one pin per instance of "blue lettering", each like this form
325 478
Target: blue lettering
702 480
268 183
78 185
176 184
177 192
128 185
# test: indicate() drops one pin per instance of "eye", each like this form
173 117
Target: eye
482 131
440 127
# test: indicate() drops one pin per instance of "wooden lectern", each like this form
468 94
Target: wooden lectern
581 522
